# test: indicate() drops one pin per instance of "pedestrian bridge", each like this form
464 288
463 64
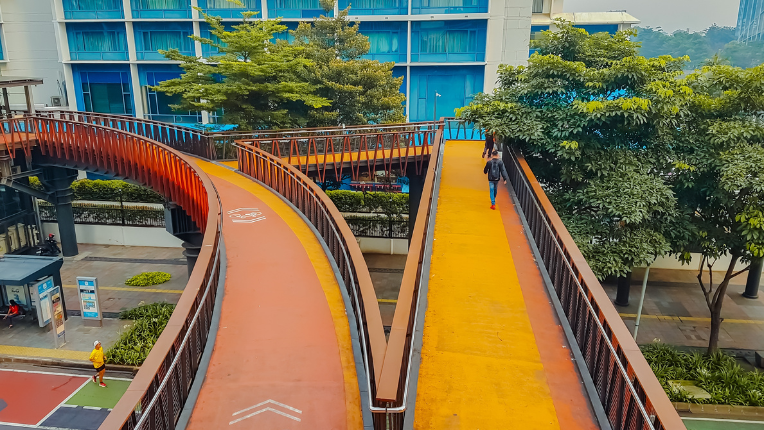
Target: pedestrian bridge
499 322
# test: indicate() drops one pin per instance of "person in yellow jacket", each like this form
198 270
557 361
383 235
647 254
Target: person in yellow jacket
96 357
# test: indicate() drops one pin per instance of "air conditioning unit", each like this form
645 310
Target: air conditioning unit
56 101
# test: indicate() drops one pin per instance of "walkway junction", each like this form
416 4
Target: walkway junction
499 324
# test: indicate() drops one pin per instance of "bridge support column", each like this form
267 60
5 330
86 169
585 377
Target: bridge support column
622 294
754 278
180 225
416 186
57 182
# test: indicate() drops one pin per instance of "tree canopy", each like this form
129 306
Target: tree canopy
639 157
258 82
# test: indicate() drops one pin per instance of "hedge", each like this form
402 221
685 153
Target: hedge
146 279
391 204
134 345
108 191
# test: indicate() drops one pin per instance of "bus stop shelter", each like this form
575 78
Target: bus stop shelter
19 272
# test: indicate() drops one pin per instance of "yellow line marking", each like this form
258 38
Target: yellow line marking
481 367
25 351
696 319
387 301
140 289
325 274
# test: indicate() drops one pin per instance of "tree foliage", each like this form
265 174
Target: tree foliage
639 157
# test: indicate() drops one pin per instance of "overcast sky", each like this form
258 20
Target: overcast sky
668 14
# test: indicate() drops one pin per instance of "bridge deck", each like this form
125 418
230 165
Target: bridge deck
283 332
494 355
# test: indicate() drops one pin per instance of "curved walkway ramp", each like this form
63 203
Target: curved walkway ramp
494 354
283 356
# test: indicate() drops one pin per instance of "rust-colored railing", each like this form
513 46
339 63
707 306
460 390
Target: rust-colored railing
159 390
184 139
629 392
352 150
309 199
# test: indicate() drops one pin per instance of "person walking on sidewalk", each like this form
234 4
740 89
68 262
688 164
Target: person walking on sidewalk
489 139
96 357
495 170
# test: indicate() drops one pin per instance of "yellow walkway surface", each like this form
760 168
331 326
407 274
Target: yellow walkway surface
481 366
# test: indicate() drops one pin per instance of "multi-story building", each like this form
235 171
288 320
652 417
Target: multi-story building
448 47
750 20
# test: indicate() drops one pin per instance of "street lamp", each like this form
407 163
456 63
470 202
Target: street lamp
435 110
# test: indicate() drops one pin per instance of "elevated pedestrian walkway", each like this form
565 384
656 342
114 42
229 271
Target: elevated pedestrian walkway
283 356
494 355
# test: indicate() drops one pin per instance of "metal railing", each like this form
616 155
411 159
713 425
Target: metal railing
105 214
628 390
308 198
378 226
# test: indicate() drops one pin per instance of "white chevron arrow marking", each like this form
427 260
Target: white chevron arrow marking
265 410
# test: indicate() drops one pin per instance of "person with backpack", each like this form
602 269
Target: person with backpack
495 170
489 139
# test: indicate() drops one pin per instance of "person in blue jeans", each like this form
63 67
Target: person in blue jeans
495 170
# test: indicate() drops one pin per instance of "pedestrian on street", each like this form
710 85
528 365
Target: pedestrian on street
96 357
13 311
495 170
489 139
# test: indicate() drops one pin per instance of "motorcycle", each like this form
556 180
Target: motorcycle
49 248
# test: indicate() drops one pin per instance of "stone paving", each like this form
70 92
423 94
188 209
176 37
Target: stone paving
386 273
675 311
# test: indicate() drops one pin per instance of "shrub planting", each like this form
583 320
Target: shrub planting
108 191
146 279
134 345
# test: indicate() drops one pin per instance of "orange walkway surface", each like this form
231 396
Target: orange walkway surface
283 356
493 354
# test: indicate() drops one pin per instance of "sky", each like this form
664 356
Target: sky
671 15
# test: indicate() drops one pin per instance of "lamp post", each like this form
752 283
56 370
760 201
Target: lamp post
435 110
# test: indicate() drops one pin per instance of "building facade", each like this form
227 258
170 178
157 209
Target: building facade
450 48
750 21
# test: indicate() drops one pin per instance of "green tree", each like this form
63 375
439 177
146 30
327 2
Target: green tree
360 91
583 114
720 180
255 83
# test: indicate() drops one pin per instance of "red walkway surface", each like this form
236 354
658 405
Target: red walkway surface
27 398
278 358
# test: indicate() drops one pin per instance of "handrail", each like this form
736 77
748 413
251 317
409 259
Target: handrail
629 392
309 199
184 139
160 388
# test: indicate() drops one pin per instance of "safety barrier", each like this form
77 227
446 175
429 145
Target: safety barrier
629 392
357 149
159 390
309 199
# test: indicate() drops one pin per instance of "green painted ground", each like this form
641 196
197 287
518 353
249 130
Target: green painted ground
722 425
93 395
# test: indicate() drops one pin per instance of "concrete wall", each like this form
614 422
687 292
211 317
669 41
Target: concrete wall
508 37
30 49
374 245
118 235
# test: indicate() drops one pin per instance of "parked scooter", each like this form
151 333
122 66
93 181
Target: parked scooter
49 248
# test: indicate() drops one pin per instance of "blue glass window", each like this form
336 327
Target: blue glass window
605 28
295 9
2 55
284 35
150 37
93 9
375 7
536 33
105 91
457 85
448 41
156 103
448 6
227 9
161 8
387 40
97 41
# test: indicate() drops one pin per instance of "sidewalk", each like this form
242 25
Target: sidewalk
675 311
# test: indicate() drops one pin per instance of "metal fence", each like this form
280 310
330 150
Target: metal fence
382 227
308 198
631 396
133 216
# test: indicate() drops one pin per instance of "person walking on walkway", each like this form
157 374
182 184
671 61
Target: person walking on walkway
96 357
13 311
495 170
489 139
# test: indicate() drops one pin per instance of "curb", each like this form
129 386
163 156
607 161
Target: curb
687 409
73 364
